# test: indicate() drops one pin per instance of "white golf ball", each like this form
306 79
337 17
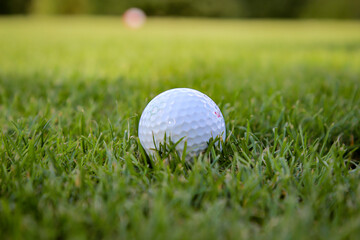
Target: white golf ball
134 18
181 113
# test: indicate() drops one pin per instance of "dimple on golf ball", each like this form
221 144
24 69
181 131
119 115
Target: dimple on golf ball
181 113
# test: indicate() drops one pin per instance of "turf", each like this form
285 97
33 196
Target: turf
72 91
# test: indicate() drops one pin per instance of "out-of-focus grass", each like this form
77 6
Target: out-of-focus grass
72 90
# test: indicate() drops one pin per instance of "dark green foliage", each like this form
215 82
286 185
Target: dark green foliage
14 6
199 8
71 165
274 8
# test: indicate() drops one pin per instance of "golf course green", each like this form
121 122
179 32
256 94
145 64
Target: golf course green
72 90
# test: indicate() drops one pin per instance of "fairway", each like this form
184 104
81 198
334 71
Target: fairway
72 90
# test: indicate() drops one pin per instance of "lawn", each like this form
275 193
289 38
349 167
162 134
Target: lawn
72 90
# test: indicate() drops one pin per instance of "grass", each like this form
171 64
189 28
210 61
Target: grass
72 91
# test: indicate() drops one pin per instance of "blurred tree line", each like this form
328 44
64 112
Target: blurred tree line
206 8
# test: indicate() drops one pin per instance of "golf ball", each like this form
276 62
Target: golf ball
181 113
134 18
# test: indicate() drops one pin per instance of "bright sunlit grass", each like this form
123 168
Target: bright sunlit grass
72 91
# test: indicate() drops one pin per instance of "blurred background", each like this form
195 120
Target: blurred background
206 8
